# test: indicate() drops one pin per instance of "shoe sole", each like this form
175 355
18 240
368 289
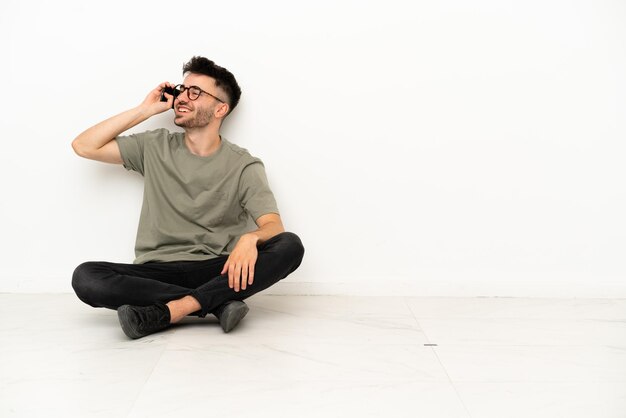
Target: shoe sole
233 313
122 315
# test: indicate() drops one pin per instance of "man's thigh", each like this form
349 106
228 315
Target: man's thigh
193 274
189 274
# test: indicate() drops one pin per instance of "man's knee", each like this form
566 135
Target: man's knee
83 281
295 245
291 247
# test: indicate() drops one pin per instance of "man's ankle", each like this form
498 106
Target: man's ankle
182 307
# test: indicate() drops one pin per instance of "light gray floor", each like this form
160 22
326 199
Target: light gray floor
320 356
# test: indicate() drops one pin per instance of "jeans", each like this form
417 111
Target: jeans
111 285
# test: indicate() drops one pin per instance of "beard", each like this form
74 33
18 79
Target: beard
203 118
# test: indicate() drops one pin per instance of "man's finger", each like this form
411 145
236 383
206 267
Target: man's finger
231 276
251 275
237 275
244 276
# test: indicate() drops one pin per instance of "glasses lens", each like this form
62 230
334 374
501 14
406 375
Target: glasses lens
194 92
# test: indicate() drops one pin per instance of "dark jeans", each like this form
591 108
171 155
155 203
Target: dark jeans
111 285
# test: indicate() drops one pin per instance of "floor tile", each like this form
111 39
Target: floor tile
518 308
301 360
63 382
209 396
579 399
533 363
334 306
499 331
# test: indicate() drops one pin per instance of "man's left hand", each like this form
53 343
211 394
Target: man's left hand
240 263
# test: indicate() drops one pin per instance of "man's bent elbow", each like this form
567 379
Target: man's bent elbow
77 148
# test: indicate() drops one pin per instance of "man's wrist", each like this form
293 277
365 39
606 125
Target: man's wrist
144 112
251 237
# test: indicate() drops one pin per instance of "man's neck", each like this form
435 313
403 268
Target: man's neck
203 141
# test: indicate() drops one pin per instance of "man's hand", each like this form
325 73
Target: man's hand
240 263
153 105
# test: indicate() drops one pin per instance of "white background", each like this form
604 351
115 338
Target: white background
434 148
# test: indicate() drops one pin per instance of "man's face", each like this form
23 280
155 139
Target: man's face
200 112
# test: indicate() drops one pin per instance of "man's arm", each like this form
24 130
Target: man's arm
98 142
269 225
240 263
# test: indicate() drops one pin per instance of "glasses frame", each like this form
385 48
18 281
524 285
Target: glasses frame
182 88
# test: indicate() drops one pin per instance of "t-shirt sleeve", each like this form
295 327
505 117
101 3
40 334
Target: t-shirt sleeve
255 195
132 151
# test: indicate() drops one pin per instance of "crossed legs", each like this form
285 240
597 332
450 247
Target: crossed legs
186 287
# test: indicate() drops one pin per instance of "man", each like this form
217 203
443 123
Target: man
195 252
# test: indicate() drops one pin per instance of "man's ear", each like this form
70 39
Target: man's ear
222 110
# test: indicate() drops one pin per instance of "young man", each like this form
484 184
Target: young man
195 250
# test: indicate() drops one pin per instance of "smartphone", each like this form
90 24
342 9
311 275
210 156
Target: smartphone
169 90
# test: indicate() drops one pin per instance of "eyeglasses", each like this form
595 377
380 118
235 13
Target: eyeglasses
193 92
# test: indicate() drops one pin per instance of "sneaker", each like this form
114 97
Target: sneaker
231 313
139 321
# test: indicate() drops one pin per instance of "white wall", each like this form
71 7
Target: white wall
432 148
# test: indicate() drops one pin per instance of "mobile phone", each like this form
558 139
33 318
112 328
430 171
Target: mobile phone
169 90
